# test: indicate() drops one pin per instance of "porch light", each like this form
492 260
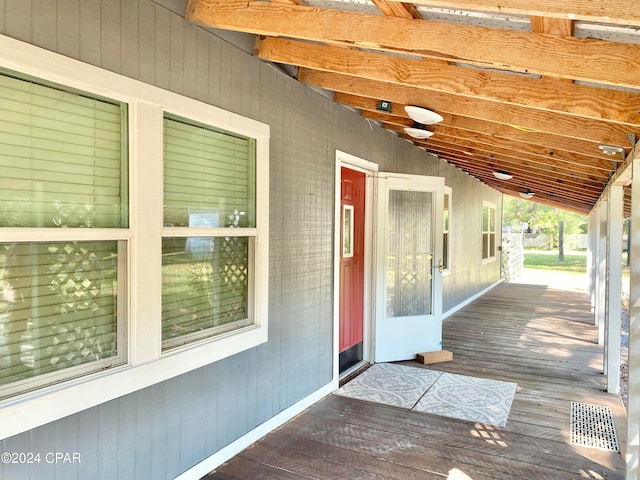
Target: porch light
527 194
422 115
502 175
419 133
612 150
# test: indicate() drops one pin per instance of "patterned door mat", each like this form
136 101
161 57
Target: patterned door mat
593 426
422 390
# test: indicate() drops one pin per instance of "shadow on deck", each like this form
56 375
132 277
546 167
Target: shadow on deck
540 338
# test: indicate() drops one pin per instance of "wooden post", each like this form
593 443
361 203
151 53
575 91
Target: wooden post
614 288
632 455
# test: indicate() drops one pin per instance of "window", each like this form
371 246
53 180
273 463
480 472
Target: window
64 166
488 231
104 290
446 227
209 185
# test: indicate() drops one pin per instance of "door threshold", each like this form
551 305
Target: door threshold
353 372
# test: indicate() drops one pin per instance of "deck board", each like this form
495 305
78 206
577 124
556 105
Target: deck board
542 339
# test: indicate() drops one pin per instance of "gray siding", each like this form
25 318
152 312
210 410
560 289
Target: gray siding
468 275
163 430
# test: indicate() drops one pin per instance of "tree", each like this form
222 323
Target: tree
516 213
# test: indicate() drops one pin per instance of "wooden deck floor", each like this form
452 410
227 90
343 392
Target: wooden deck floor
542 339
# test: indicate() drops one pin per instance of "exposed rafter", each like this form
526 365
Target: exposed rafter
544 100
527 118
576 58
542 94
498 131
624 12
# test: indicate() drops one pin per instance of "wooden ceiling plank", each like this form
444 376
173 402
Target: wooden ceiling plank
495 130
621 12
531 119
539 93
565 57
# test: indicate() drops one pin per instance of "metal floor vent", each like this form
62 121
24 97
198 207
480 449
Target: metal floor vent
592 426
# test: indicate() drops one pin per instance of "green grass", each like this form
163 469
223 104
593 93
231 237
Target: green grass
573 263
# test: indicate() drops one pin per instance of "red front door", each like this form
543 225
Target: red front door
352 208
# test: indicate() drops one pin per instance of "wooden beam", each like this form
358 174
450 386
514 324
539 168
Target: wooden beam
547 198
537 120
541 196
565 57
622 12
469 145
542 154
397 9
548 173
537 184
496 130
570 188
553 26
568 160
540 190
543 94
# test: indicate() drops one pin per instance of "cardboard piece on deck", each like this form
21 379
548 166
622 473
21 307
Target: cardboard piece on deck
435 357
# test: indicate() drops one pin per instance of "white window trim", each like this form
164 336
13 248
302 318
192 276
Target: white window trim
146 363
447 271
494 257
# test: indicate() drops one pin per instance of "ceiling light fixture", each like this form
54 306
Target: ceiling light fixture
527 194
502 175
418 133
422 115
611 150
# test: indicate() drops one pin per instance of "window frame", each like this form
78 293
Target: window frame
146 363
490 255
248 232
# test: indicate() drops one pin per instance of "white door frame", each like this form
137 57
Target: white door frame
344 159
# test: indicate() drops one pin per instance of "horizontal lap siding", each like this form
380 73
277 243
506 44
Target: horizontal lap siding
167 428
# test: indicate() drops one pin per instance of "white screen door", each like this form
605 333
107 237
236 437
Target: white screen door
408 255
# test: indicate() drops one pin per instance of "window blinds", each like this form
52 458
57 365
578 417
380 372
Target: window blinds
209 181
63 162
62 158
207 172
